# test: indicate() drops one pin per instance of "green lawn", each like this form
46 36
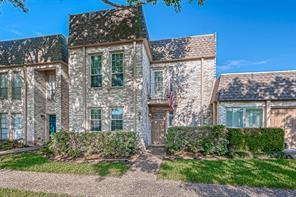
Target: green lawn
37 163
21 193
258 173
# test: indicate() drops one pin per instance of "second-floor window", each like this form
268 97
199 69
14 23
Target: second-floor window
3 86
157 83
3 127
51 86
16 86
96 71
95 119
117 70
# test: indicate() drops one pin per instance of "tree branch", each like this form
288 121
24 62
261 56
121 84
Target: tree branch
116 5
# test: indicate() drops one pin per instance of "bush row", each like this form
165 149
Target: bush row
256 140
119 144
207 139
220 140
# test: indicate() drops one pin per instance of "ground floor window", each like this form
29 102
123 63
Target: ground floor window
95 119
117 119
3 127
244 117
17 126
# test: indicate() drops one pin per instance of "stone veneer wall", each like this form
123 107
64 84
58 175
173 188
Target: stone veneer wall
193 82
130 97
37 104
11 106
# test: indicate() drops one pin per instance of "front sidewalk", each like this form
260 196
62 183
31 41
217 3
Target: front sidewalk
81 185
141 180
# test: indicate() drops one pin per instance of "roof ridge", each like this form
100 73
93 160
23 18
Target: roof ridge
192 36
259 72
37 37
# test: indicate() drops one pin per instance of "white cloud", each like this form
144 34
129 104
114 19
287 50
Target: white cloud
233 64
37 33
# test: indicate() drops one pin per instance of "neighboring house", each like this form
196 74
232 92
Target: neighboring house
33 88
117 79
262 99
121 80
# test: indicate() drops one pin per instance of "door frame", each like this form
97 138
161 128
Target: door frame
163 110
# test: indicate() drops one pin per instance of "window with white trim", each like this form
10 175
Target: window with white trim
3 86
17 126
3 126
244 117
96 71
96 119
117 119
117 70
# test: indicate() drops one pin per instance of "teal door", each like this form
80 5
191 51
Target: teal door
52 124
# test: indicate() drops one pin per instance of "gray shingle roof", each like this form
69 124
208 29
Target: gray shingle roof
107 26
202 46
257 86
33 50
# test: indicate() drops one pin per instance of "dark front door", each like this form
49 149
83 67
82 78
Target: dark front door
158 128
52 124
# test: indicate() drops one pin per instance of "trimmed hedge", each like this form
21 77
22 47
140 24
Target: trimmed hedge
256 140
119 144
206 139
221 141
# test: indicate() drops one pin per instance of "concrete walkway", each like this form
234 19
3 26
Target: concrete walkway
141 180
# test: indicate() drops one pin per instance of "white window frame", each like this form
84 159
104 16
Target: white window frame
113 108
51 86
2 128
91 119
245 123
90 70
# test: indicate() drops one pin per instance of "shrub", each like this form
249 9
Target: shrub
205 139
117 144
10 144
256 140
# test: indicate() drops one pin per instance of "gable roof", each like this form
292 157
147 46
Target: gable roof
107 26
259 86
201 46
33 50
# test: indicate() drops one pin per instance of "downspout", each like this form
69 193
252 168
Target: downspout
84 95
201 87
25 103
134 86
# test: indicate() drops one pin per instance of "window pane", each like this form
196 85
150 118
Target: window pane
254 118
158 82
117 119
96 71
117 69
171 118
3 126
234 117
229 118
51 86
3 86
16 86
117 80
96 122
116 125
17 126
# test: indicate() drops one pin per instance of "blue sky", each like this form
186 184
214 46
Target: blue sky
252 35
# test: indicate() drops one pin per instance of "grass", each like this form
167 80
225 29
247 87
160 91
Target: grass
278 173
21 193
32 161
